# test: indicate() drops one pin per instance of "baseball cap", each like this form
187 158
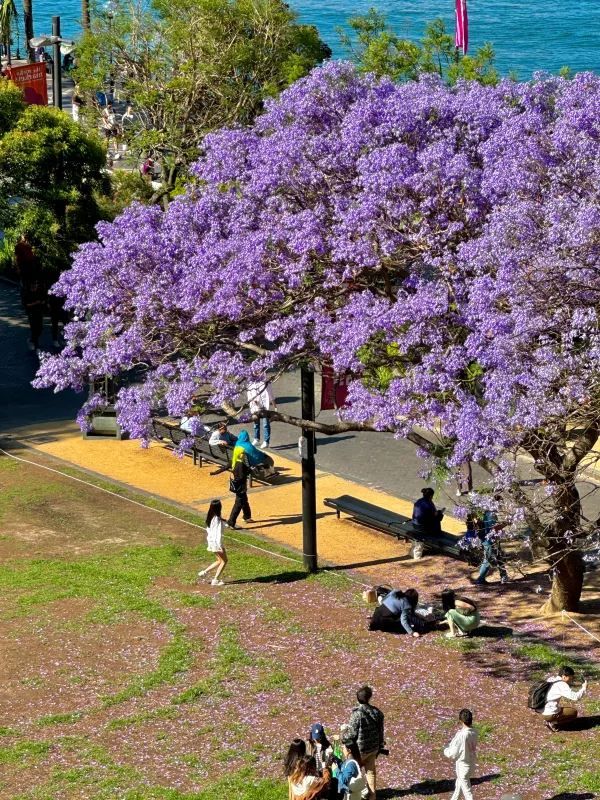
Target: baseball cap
317 732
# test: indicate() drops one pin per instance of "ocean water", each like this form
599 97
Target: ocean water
528 35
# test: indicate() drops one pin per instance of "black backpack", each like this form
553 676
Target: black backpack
537 696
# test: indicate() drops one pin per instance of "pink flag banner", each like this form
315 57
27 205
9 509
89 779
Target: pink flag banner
461 38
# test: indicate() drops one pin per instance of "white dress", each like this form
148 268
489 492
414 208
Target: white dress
214 535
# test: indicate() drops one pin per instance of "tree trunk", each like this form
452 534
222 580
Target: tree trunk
567 584
85 15
28 25
567 560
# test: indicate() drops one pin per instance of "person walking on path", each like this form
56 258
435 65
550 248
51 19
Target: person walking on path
33 289
260 398
214 543
555 714
463 751
365 728
239 486
493 557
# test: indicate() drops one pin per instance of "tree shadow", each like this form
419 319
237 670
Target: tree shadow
428 787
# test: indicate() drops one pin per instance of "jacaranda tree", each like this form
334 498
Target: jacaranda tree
440 246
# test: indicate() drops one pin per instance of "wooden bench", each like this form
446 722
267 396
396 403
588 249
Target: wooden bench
201 450
396 525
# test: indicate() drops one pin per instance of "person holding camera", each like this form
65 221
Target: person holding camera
365 729
555 713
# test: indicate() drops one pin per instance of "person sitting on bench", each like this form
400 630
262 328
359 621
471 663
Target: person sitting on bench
461 614
426 517
396 614
221 437
254 456
192 423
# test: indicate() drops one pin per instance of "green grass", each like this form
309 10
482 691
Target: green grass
141 718
571 766
174 659
545 658
60 719
484 730
24 751
227 665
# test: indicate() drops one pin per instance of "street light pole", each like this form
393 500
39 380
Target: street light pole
56 72
309 489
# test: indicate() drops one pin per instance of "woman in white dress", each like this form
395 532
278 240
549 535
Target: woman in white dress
214 542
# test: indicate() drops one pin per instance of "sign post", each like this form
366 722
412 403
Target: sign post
31 79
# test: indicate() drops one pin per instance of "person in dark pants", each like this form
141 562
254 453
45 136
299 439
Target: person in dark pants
426 516
33 289
396 614
239 485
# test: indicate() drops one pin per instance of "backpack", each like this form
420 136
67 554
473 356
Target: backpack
537 696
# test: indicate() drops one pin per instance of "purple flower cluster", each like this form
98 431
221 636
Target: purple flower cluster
450 234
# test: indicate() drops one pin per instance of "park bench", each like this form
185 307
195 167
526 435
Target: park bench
396 525
170 434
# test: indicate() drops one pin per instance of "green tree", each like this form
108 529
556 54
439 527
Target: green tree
53 170
191 66
376 48
8 15
12 105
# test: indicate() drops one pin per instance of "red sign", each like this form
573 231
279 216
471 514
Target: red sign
31 78
334 389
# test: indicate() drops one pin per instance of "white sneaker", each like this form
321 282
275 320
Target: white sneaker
264 445
255 442
216 582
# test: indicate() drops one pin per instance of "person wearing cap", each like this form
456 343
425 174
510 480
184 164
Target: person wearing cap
366 729
318 745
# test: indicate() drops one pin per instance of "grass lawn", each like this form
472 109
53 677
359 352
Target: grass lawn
122 677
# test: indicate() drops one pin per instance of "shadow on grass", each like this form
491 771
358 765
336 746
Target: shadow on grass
426 788
573 796
358 564
491 632
281 577
583 724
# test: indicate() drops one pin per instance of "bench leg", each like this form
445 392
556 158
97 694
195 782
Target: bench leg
337 511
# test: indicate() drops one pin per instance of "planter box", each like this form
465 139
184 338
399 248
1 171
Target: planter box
104 425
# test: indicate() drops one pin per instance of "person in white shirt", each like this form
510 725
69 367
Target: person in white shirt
214 542
221 437
260 398
555 714
192 423
463 750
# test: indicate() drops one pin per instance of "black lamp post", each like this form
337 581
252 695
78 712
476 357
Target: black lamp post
309 487
55 40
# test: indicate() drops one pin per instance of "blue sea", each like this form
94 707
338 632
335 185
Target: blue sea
528 35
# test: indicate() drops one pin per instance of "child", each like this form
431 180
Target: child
214 542
462 749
